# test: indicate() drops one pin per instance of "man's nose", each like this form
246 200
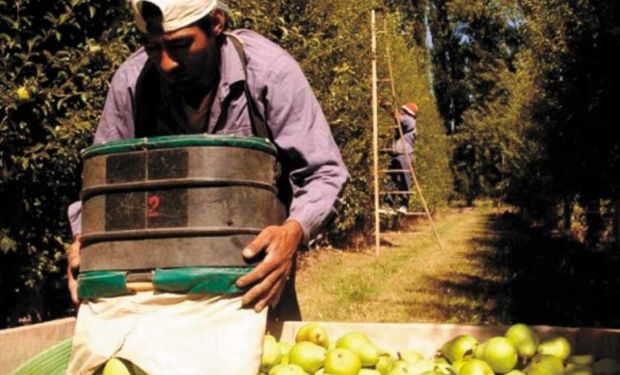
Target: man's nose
166 62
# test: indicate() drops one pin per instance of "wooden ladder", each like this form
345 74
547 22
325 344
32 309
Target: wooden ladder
375 139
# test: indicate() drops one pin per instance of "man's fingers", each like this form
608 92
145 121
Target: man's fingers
259 272
258 244
261 288
272 296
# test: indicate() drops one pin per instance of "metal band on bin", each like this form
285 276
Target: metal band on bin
207 243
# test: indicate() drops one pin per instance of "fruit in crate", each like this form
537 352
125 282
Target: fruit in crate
290 369
499 352
342 361
525 339
271 353
360 344
475 366
307 355
545 364
606 366
557 346
458 347
313 332
117 366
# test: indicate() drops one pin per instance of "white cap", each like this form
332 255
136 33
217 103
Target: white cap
176 13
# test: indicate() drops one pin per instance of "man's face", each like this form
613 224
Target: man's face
186 57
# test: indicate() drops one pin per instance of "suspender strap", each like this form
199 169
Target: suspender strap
259 125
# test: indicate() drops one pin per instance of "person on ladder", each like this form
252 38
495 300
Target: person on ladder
402 154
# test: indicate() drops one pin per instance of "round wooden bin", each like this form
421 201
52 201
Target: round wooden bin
175 205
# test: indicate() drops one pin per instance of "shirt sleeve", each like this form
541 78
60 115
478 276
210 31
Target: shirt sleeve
317 171
116 123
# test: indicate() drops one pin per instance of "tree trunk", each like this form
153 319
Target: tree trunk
594 222
567 213
616 222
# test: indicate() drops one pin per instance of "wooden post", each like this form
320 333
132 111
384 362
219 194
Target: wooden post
375 129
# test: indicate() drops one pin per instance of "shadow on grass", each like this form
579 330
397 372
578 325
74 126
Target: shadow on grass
529 276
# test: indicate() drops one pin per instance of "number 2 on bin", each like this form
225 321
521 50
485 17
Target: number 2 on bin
153 205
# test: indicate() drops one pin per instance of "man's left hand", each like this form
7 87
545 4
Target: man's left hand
269 277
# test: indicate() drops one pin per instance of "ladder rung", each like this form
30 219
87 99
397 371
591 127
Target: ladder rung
404 192
395 171
384 80
414 213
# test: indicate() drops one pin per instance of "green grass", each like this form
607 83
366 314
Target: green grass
494 269
408 281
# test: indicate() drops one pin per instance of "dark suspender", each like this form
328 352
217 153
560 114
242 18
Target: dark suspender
259 125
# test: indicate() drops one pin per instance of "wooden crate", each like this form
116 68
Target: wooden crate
17 345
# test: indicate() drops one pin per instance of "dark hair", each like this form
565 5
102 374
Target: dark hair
152 17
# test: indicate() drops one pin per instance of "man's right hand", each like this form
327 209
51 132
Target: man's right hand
73 268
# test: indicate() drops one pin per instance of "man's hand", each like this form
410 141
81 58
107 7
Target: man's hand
269 277
73 267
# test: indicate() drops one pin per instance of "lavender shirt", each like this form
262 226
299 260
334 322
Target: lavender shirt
405 145
297 122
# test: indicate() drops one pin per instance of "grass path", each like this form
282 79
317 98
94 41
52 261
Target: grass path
411 280
494 270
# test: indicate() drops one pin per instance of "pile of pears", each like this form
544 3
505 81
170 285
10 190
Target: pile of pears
518 352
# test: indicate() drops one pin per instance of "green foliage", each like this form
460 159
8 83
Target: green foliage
537 127
55 63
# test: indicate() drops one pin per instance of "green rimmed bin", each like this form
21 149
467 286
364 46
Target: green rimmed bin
189 203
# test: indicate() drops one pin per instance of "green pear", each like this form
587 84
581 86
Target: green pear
525 339
342 361
359 344
313 332
271 353
499 352
307 355
117 366
137 370
368 354
352 340
384 364
545 364
422 366
368 371
456 365
285 348
583 359
445 368
474 366
573 369
606 366
290 369
515 372
557 346
410 356
458 347
400 367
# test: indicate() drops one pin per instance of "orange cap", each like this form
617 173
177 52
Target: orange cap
411 108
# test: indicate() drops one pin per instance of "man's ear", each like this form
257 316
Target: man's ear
219 22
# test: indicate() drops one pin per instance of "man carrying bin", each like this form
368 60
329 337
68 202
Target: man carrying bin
193 76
